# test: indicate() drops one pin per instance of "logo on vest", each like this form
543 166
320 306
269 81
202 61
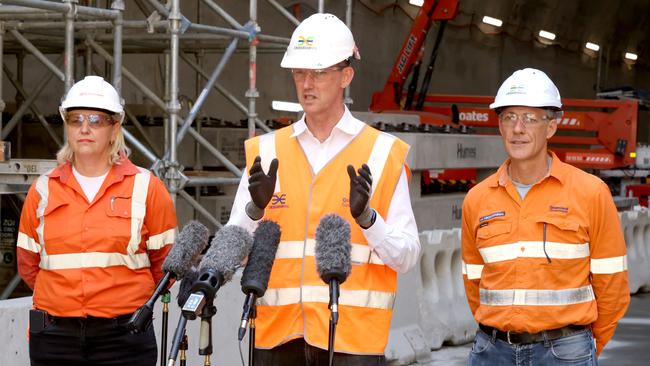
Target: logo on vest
279 201
345 202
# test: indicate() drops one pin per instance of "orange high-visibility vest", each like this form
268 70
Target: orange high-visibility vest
296 302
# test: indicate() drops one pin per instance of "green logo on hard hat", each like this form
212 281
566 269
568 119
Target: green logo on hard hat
305 42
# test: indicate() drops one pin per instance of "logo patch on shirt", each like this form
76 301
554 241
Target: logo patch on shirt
279 201
491 216
558 209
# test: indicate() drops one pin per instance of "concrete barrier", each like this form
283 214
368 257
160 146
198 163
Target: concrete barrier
636 229
431 308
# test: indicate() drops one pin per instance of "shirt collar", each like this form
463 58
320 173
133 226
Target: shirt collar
559 171
347 124
121 169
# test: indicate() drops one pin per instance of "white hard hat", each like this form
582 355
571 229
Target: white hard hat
529 88
320 41
93 92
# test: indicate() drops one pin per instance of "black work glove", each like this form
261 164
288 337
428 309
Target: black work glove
261 187
360 186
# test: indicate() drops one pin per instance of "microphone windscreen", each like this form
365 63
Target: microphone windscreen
187 248
258 270
185 288
228 249
333 248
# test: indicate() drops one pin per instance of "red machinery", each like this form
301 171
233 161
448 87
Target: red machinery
596 134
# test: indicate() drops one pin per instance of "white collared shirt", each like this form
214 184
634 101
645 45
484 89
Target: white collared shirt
394 239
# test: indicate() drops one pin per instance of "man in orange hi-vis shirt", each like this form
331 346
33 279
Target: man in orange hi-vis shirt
544 260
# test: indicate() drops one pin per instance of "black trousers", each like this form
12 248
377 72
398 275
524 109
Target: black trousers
91 341
298 353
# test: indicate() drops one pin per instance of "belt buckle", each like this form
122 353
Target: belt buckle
508 337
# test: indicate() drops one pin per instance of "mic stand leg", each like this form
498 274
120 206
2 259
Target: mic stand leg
166 298
251 335
334 317
183 348
205 342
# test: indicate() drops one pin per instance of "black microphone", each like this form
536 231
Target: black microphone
333 256
227 250
185 251
184 292
255 278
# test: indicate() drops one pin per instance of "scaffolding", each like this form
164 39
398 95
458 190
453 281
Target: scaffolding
36 26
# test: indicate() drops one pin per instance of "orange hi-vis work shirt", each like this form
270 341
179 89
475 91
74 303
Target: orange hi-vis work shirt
553 259
101 258
296 302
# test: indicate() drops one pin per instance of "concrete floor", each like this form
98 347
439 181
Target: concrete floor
629 346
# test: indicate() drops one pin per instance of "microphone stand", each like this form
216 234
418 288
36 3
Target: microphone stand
183 349
334 317
251 335
166 298
205 340
178 342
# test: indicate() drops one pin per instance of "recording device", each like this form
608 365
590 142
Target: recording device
187 248
255 278
228 249
333 256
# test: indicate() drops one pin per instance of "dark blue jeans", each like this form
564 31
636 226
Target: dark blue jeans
576 350
298 353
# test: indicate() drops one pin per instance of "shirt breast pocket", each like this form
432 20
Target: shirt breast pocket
493 233
126 217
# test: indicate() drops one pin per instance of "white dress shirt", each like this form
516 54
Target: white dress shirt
394 239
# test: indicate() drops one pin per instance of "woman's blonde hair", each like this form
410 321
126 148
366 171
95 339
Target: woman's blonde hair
117 150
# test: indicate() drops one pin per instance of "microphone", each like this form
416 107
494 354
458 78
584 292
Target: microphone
227 250
255 278
184 292
333 256
184 253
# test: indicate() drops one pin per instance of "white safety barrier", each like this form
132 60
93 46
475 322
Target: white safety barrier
431 307
636 228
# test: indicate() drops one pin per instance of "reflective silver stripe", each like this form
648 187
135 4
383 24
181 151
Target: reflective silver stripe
93 259
138 208
361 298
158 241
43 190
609 265
28 243
534 249
267 153
378 157
360 253
536 297
472 271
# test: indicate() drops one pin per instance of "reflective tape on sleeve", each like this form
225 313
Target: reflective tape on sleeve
26 242
609 265
158 241
472 271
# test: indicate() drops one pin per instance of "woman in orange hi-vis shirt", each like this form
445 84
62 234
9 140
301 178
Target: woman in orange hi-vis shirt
93 234
544 260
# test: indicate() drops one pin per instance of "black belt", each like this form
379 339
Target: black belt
119 321
526 338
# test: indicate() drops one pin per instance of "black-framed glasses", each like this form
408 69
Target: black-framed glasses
95 120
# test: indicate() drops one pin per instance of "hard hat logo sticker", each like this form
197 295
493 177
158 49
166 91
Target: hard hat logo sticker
305 42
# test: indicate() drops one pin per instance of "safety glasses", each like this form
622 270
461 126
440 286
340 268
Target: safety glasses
94 120
315 75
